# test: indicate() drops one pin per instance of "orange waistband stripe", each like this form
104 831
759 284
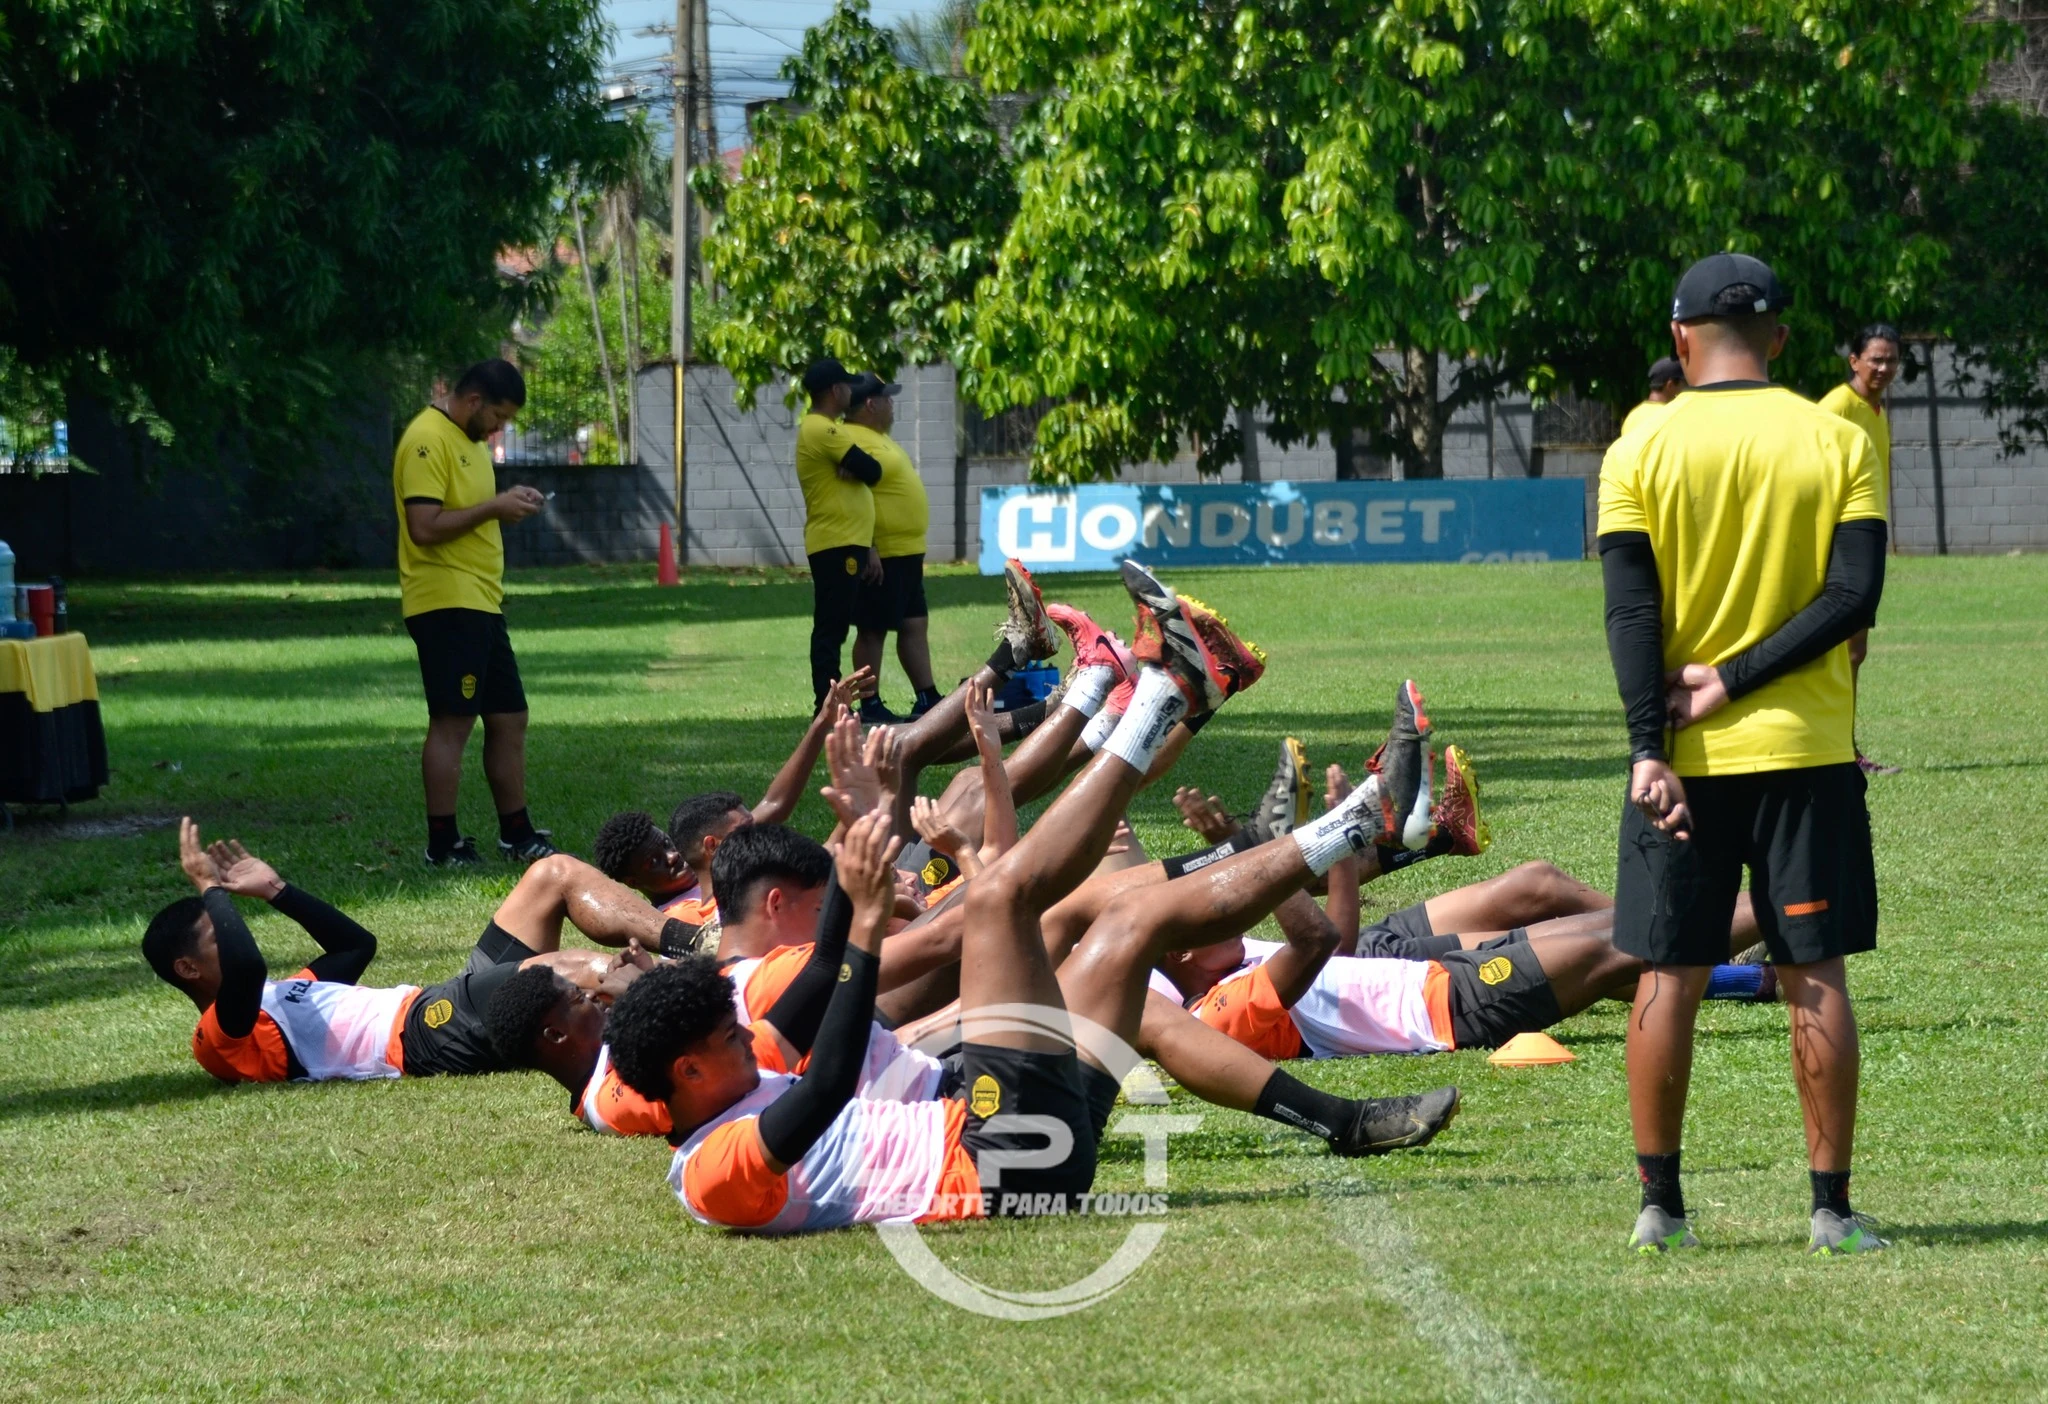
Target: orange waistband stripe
1806 908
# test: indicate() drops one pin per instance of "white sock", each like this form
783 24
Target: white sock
1089 688
1352 827
1156 705
1099 730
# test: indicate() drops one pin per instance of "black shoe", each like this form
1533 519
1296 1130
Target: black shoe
873 713
1397 1123
1403 765
462 855
531 849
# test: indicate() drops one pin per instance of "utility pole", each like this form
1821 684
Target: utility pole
679 222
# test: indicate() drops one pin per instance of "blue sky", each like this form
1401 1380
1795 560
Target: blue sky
749 40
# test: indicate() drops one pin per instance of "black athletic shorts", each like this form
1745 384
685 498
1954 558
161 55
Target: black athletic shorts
1805 837
900 596
1002 1084
1498 991
1405 935
466 663
444 1034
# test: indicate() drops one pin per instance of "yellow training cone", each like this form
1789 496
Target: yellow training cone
1531 1050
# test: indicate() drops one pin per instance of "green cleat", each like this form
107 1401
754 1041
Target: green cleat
1835 1236
1661 1232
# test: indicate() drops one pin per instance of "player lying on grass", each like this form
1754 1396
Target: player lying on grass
320 1024
786 1154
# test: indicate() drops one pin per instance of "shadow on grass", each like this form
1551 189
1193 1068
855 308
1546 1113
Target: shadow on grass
93 973
1963 1235
137 1090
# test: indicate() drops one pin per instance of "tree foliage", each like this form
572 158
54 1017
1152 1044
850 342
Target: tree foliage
209 211
862 215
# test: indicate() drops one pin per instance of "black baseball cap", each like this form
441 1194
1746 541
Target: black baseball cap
1728 285
1666 371
823 375
867 385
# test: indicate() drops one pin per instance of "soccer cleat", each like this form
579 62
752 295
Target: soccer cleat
1164 637
1285 805
1093 644
1397 1123
1751 955
531 849
1028 631
1837 1236
1456 820
1237 662
462 855
1403 764
1659 1231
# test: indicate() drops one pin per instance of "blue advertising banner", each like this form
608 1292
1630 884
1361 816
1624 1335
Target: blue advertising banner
1095 527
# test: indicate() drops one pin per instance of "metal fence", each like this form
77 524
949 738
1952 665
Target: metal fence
564 424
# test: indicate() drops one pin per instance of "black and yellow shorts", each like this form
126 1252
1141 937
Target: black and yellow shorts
466 663
444 1033
1007 1089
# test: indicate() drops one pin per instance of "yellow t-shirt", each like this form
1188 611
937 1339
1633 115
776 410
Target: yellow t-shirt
1740 491
837 511
1851 406
903 513
1642 414
436 459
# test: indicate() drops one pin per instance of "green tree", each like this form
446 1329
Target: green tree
862 216
210 213
1320 205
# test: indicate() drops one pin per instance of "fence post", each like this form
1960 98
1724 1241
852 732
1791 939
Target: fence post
1934 455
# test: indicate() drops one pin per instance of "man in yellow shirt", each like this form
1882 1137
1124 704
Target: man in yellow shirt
1667 379
1741 539
903 514
1874 358
451 579
836 476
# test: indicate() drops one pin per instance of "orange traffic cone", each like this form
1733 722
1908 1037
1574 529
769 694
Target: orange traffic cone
1531 1050
665 569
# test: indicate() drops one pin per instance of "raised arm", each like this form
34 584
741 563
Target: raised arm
788 785
798 1012
1311 941
348 947
999 809
242 969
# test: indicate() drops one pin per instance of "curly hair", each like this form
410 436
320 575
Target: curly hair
660 1015
764 853
516 1012
621 841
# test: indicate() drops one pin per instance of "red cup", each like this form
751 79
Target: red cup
42 609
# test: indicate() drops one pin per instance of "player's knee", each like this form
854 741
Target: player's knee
558 872
1548 887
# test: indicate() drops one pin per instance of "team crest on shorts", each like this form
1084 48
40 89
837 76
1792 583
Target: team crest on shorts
852 566
437 1014
1497 970
468 686
987 1097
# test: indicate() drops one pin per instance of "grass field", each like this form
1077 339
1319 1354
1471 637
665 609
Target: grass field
163 1237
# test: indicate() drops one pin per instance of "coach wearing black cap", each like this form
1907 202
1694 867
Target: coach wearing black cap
1742 542
836 476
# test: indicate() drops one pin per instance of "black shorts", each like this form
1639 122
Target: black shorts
1498 991
466 663
1405 935
1805 837
444 1033
999 1084
900 596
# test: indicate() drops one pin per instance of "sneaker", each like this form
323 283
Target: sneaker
873 712
1163 637
462 855
1027 629
1093 644
1285 805
1456 821
1403 764
923 706
1870 767
531 849
1658 1231
1239 661
1397 1123
1835 1236
1751 955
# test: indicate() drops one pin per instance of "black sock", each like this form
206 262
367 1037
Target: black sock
1196 721
1242 841
928 697
442 834
1830 1190
1292 1102
1392 860
514 827
1660 1183
1004 660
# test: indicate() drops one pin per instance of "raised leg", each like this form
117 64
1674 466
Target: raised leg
562 888
1521 896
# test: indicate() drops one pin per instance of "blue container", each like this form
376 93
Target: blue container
1027 685
6 582
17 629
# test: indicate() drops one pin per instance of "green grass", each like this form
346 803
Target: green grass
162 1237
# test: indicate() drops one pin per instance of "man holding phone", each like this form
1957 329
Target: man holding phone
451 576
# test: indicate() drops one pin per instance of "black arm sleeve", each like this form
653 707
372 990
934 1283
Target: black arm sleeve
1635 637
795 1120
1846 603
349 947
801 1008
862 465
242 969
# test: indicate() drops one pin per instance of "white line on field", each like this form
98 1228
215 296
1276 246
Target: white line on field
1480 1357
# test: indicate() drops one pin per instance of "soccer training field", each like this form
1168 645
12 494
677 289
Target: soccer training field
164 1237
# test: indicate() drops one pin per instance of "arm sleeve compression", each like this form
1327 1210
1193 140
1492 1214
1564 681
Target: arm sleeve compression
799 1011
242 968
793 1122
1845 604
349 947
861 465
1635 637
